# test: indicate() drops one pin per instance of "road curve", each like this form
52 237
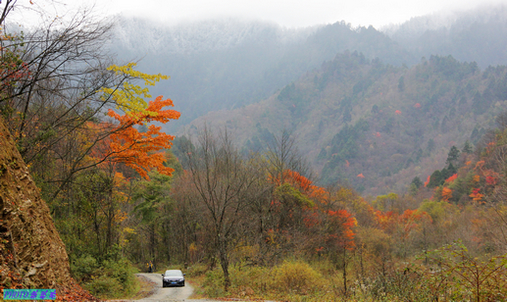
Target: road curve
167 293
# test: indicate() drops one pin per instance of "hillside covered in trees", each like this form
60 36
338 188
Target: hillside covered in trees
224 64
230 63
376 126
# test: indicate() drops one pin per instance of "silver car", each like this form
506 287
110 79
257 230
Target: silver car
173 278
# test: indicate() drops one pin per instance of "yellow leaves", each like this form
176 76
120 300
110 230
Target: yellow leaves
120 216
129 97
129 230
192 247
128 69
446 194
476 178
271 237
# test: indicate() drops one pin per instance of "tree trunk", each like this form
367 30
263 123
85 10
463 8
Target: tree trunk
345 272
224 262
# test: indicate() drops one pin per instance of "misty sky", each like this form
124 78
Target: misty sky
288 13
291 13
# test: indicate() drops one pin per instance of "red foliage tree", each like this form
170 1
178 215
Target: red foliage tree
135 149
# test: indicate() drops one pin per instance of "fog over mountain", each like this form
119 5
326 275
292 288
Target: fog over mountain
199 37
226 71
477 35
228 63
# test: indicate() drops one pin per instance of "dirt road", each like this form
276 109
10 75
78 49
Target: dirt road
167 293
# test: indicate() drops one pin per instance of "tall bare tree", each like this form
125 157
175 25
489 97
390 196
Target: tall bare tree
283 154
225 183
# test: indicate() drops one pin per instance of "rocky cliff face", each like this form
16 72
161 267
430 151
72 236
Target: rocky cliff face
32 255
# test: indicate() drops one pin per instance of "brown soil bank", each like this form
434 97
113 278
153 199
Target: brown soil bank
32 255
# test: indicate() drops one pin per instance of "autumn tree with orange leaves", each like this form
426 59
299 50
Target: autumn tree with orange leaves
138 150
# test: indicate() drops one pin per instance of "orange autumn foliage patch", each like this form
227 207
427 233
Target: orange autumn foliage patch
410 218
302 184
452 178
347 222
136 149
406 222
297 180
337 223
427 181
386 220
446 194
476 196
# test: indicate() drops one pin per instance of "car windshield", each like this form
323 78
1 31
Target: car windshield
173 273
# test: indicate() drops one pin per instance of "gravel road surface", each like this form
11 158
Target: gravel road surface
168 293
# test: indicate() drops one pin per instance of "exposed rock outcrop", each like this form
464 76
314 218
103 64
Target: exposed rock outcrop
32 255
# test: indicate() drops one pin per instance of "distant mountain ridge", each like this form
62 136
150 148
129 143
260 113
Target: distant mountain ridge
198 37
476 35
229 63
371 125
415 89
223 64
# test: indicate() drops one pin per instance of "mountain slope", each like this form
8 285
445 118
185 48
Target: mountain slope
224 64
372 125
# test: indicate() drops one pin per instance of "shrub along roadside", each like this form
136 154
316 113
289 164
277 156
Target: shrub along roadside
109 279
291 280
446 274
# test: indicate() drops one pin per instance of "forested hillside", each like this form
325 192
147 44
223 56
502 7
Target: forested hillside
226 64
375 126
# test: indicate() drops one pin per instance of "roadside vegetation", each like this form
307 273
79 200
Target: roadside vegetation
460 278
